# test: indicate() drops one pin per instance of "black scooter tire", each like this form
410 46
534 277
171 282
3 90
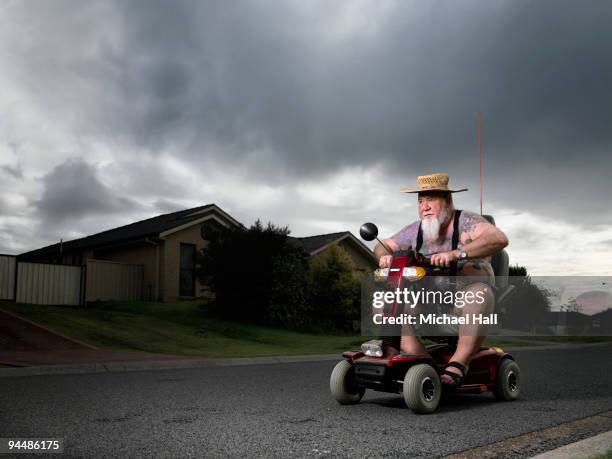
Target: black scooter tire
342 384
508 381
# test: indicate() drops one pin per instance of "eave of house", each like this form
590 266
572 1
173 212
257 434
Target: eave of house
194 223
360 245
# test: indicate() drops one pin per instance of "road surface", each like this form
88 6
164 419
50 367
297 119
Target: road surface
286 410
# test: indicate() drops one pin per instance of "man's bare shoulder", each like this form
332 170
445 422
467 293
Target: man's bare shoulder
469 220
406 237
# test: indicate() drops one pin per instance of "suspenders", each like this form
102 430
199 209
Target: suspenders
456 230
455 240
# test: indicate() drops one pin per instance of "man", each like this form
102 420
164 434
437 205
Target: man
477 241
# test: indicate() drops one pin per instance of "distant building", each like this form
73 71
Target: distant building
317 246
166 247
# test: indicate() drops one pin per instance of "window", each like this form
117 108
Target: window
187 270
77 259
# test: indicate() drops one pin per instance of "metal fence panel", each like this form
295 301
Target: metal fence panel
109 280
7 277
39 283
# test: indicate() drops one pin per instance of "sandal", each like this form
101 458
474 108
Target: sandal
457 379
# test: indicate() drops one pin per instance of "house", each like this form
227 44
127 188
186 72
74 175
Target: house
601 323
567 323
166 247
316 246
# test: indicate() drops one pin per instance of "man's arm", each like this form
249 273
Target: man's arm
383 255
480 238
403 239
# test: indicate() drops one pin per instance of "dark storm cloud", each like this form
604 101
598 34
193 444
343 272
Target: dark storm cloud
290 91
72 191
13 171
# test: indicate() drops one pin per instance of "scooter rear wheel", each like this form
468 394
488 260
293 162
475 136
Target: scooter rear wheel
508 381
422 389
343 386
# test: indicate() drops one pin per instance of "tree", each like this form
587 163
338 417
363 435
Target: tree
334 290
289 293
517 270
258 276
571 306
528 307
240 265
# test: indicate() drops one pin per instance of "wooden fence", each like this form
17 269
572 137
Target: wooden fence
40 283
7 277
109 280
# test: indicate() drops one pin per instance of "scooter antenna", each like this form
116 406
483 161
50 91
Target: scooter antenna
480 148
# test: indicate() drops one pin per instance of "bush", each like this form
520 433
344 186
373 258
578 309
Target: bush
517 270
289 294
334 290
528 306
258 276
239 266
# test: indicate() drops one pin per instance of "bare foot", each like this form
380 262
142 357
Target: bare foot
448 380
389 351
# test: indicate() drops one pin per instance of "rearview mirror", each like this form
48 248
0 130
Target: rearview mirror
368 231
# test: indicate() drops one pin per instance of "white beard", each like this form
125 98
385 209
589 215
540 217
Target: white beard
431 226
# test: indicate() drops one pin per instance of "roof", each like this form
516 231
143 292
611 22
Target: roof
312 244
151 227
315 244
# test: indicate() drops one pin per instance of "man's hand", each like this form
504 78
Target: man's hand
385 261
444 259
384 257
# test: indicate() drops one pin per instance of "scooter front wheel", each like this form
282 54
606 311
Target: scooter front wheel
343 385
422 389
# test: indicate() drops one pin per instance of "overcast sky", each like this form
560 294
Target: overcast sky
311 114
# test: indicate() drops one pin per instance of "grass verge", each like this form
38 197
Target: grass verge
606 455
574 339
179 328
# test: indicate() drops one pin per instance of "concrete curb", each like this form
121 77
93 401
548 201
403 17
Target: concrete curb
582 449
114 367
531 444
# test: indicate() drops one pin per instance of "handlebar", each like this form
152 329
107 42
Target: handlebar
418 259
422 261
454 264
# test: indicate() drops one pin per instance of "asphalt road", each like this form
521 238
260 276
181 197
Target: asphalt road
287 411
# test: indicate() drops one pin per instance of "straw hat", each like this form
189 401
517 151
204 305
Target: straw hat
433 182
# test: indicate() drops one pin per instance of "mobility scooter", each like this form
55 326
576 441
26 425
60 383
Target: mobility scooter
417 377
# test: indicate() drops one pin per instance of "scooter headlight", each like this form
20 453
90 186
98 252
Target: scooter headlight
372 348
413 273
381 274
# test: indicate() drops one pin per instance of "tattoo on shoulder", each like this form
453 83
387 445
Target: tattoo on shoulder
470 222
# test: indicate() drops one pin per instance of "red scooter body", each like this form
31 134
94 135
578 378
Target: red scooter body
491 369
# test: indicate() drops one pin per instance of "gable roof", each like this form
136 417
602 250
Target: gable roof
151 227
311 244
315 244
